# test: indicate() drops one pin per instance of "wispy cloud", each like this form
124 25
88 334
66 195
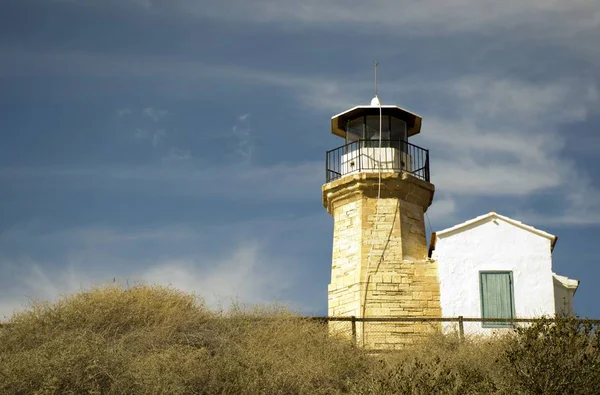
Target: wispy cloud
32 282
504 140
158 137
442 212
494 137
227 271
242 132
243 275
102 236
325 93
155 114
295 181
155 137
491 137
423 17
177 155
436 15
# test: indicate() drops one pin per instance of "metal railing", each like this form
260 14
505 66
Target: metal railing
460 320
387 333
366 156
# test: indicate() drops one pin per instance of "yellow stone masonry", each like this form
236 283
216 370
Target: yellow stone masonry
380 251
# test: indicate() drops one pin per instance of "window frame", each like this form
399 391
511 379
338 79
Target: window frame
369 131
512 299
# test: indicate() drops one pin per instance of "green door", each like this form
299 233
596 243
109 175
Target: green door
496 297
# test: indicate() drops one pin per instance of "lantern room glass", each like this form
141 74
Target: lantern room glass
366 128
354 131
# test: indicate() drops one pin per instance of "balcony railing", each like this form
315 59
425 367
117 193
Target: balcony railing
367 156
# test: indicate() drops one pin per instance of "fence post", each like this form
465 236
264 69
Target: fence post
461 328
354 329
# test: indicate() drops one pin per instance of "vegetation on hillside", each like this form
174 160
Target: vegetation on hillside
157 340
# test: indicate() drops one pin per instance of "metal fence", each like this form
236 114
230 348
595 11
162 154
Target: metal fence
354 327
394 333
369 156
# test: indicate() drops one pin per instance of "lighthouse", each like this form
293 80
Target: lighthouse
377 189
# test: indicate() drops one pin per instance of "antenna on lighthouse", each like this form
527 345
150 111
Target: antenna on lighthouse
375 101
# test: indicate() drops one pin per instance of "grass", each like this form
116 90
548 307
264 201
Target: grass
157 340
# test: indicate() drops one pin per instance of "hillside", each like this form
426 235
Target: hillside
150 339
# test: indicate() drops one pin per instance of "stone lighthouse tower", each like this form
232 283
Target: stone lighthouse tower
377 190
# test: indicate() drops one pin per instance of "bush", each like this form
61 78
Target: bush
441 365
560 357
150 339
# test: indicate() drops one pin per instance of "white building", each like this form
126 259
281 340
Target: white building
495 267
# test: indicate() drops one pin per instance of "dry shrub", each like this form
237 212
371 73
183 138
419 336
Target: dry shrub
150 339
156 340
555 357
441 365
559 356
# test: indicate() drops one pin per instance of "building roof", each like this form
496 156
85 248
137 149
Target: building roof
566 282
413 121
485 218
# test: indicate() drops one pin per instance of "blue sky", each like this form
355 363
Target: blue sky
183 141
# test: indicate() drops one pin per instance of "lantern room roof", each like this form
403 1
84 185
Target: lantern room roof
413 121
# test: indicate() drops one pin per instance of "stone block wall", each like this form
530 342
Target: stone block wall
379 259
405 289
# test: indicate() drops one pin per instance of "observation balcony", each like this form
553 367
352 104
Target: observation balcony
368 156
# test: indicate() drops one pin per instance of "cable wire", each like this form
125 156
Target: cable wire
368 274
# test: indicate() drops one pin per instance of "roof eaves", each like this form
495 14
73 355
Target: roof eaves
567 282
514 222
369 106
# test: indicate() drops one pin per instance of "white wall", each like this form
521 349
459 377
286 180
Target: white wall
368 159
494 245
563 299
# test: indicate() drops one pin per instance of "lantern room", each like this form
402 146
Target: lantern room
376 139
363 123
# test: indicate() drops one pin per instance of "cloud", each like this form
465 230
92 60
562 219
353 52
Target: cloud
493 137
155 114
243 275
426 17
243 147
123 111
156 137
422 17
294 181
32 283
98 235
218 270
559 100
141 134
565 27
297 181
505 140
325 93
489 134
580 205
177 155
242 132
441 212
